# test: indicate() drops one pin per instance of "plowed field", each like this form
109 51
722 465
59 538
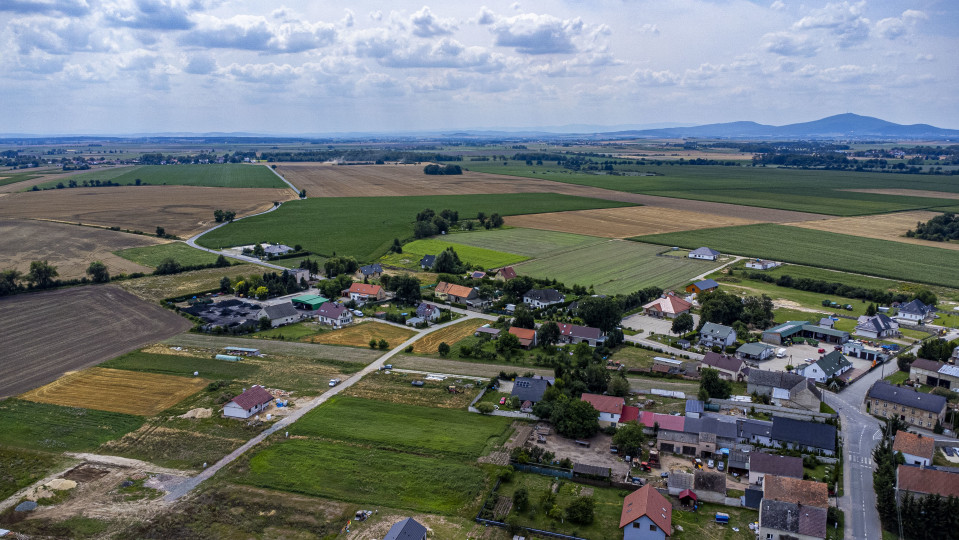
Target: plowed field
451 334
117 390
181 210
883 227
360 335
624 222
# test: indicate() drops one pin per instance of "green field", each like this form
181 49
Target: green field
178 251
405 428
822 274
12 177
184 366
615 266
40 426
816 191
364 227
20 468
528 242
883 258
214 175
472 255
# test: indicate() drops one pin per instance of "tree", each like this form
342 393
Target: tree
225 284
441 225
423 229
506 344
334 266
521 499
42 274
926 297
168 266
8 281
618 386
406 288
384 345
523 318
548 334
448 262
221 262
574 418
265 323
603 313
871 310
161 232
597 378
720 308
262 293
630 438
496 221
758 311
444 349
258 250
682 324
373 343
938 350
581 510
218 216
714 386
904 360
485 407
397 247
98 272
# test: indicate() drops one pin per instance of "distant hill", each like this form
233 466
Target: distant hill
840 126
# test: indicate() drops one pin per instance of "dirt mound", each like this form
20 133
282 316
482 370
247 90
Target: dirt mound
85 473
197 413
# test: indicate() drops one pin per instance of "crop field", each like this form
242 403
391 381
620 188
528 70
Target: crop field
292 332
45 334
414 251
450 335
183 210
883 227
625 222
294 262
882 258
117 390
152 256
156 288
395 387
616 266
403 428
41 426
10 177
528 242
233 175
68 247
364 227
359 335
20 468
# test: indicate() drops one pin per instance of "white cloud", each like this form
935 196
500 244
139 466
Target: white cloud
788 44
531 33
262 73
843 20
60 36
778 5
648 77
256 33
896 27
201 64
425 24
149 14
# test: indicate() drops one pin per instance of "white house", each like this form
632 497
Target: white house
539 298
428 312
610 407
876 327
762 264
830 365
250 402
713 334
915 312
705 254
917 450
334 314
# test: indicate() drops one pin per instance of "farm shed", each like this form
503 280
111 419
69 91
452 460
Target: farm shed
250 402
710 486
227 314
761 264
281 314
755 351
491 332
591 472
803 329
247 351
702 286
311 302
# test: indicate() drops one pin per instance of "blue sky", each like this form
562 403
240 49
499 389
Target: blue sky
305 66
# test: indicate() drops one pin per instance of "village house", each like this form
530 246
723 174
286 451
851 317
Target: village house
427 262
573 333
756 352
362 292
610 408
540 298
526 336
530 389
779 520
717 335
704 253
334 314
428 312
915 312
730 368
761 264
702 286
934 374
755 431
804 436
280 314
796 490
272 250
832 364
916 449
761 464
370 271
506 273
879 326
858 349
647 515
667 306
460 294
790 389
408 529
923 481
250 402
914 408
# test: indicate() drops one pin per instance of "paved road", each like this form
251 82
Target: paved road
192 243
191 483
285 181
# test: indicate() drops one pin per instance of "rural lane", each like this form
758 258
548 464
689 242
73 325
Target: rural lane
285 181
189 484
191 241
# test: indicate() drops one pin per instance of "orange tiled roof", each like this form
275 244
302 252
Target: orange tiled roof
917 445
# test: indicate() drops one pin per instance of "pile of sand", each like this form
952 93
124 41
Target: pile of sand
197 413
45 491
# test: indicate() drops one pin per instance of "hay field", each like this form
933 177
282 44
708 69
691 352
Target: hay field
68 247
451 334
359 335
181 210
624 222
117 390
882 227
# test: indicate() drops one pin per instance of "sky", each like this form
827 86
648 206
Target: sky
312 66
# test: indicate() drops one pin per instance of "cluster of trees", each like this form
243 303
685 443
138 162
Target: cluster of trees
335 266
13 158
941 228
405 287
262 286
712 386
829 287
311 265
429 223
581 510
221 216
172 266
938 350
43 275
442 169
728 309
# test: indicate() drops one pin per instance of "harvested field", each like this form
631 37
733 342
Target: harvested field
624 222
909 193
360 335
450 335
68 247
156 288
45 334
310 350
181 210
117 390
883 227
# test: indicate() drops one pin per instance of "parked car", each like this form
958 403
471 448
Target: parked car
502 400
711 464
821 351
721 467
386 366
334 382
357 312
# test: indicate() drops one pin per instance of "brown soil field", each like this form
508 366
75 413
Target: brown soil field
624 222
396 388
884 227
46 334
451 334
117 390
909 193
181 210
156 288
360 335
68 247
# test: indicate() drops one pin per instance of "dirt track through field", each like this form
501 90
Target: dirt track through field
46 334
68 247
883 227
181 210
624 222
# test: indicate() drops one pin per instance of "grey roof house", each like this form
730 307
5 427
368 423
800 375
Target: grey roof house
371 270
713 334
281 314
529 389
408 529
704 253
797 434
538 298
778 517
426 263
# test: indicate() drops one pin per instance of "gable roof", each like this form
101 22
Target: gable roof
331 310
460 291
916 307
796 490
721 361
785 466
280 311
704 480
914 444
812 434
629 414
666 422
371 269
749 428
705 251
529 389
776 379
365 289
927 480
879 322
832 362
606 404
753 349
523 333
716 330
544 295
646 501
443 287
428 261
907 396
507 272
753 497
425 309
669 303
706 284
793 518
584 332
251 397
408 529
928 365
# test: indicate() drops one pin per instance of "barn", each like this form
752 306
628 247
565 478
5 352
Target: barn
250 402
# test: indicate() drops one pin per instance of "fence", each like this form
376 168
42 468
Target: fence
544 470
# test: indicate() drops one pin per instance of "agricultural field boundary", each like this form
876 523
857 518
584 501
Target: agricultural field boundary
210 175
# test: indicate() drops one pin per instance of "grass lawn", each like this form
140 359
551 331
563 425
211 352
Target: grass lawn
292 332
395 387
822 274
178 251
156 288
185 366
294 262
359 335
615 266
805 299
20 468
634 357
824 249
364 227
898 377
528 242
472 255
406 428
213 175
41 426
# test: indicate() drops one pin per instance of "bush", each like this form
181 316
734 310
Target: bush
581 510
485 408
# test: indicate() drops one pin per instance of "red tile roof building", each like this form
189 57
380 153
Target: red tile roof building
647 502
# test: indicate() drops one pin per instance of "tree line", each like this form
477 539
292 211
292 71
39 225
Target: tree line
941 228
835 288
441 170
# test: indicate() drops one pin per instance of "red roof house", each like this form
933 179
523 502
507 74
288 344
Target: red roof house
250 402
362 292
610 407
646 508
526 336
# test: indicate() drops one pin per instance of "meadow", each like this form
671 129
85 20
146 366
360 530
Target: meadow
20 468
882 258
178 251
359 335
156 288
472 255
364 227
213 175
395 387
430 343
832 276
615 266
526 242
815 191
42 426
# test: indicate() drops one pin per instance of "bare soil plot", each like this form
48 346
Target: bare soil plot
117 390
181 210
625 222
883 227
68 247
910 193
45 334
450 335
360 335
396 387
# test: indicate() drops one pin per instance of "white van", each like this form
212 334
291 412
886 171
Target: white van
781 353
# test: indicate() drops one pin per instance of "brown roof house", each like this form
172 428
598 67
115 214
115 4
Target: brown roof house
793 508
646 515
250 402
667 306
922 481
526 336
917 450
